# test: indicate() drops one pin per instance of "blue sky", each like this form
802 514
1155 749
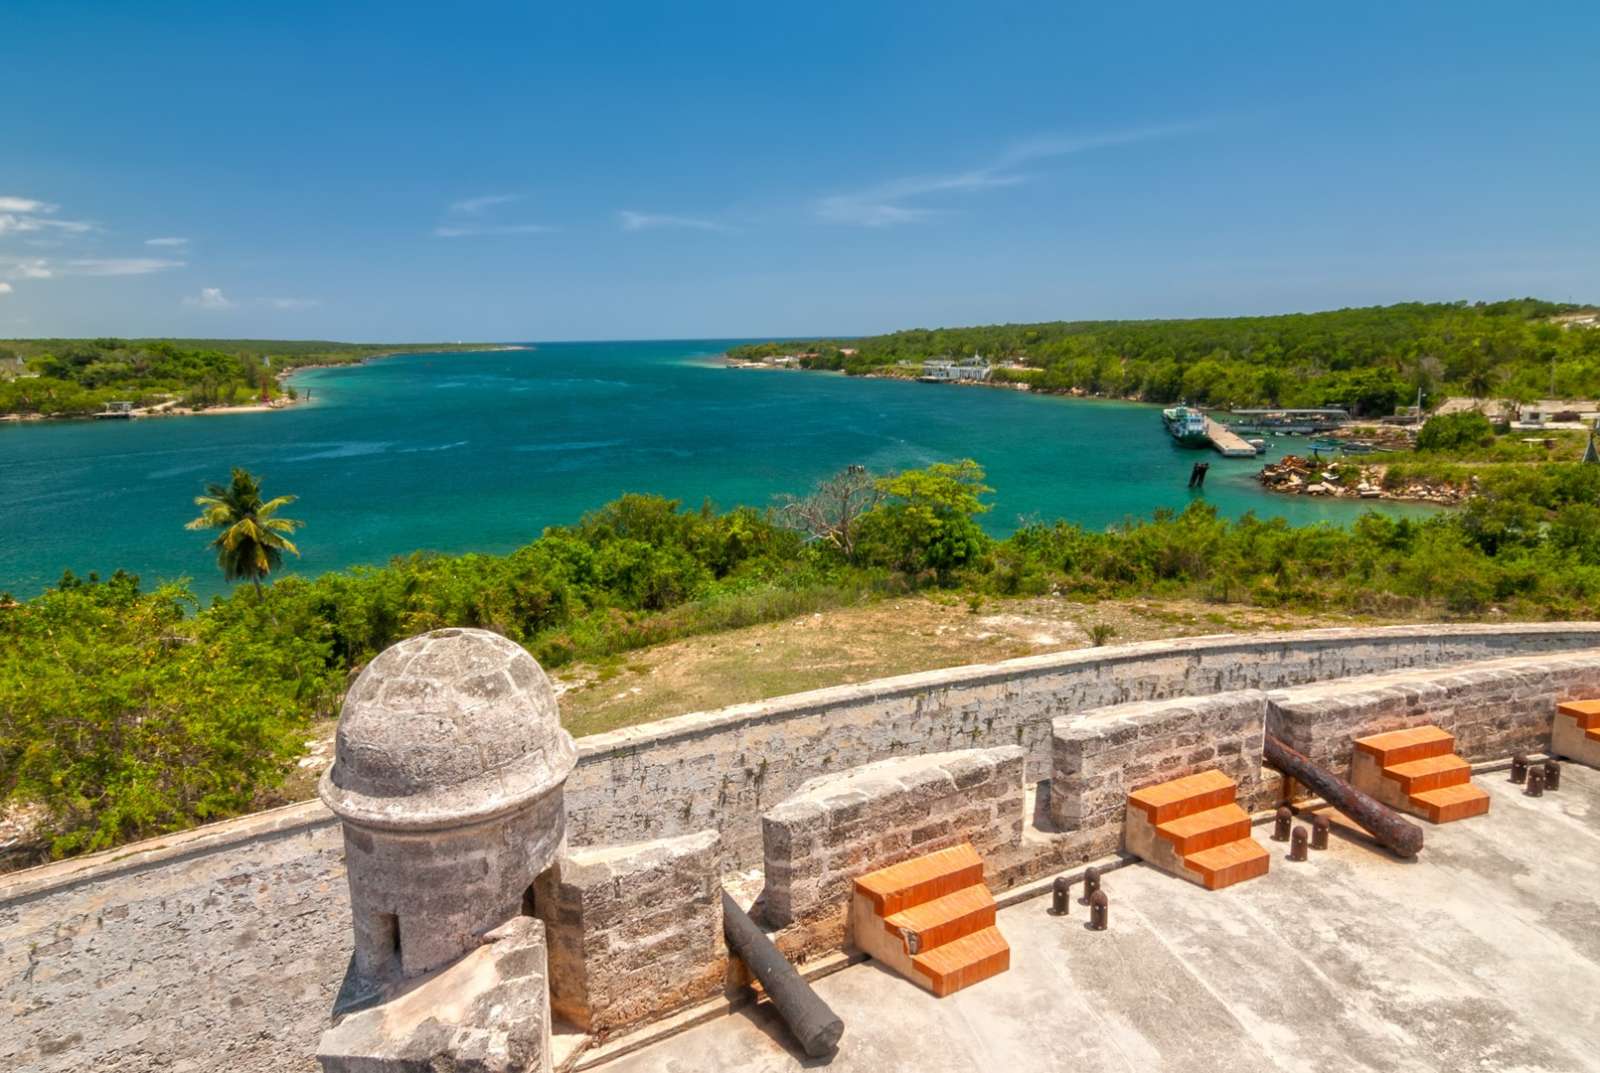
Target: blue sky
596 171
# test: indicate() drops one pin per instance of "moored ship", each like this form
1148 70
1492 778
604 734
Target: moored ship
1187 425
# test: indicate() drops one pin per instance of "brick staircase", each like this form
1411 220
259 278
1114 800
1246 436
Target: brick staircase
1417 771
1576 733
1194 828
932 920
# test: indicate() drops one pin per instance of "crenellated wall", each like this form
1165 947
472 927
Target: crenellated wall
221 948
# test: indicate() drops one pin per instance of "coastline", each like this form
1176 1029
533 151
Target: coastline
171 408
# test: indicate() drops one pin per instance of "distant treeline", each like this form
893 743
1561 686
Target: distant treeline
1370 360
64 377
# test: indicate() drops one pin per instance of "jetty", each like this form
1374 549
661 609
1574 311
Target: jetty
1228 442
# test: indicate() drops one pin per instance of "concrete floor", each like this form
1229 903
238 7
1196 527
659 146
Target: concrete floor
1484 954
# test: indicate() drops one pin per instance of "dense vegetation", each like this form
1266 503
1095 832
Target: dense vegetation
1369 360
127 712
65 377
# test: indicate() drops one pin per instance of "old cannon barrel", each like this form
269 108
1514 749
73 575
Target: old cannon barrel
1384 823
813 1023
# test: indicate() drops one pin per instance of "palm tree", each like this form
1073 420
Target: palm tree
252 541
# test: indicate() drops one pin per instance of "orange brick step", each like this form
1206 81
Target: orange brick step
1405 746
965 961
1225 865
1430 773
1586 712
910 883
1205 830
1174 800
1593 733
1452 802
944 920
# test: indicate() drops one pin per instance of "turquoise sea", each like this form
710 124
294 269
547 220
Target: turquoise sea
478 452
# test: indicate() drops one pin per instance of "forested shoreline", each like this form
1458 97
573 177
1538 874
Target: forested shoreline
80 377
1370 360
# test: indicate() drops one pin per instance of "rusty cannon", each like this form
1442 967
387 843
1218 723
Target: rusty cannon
1385 825
811 1019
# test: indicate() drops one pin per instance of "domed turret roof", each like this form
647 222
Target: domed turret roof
449 727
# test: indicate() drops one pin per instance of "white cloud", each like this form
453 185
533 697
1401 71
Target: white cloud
166 242
472 206
645 221
33 268
885 204
17 223
5 288
209 298
23 204
118 266
293 305
452 231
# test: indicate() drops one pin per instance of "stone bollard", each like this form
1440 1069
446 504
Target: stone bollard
1320 826
1535 782
1519 768
1297 844
1099 911
1091 884
1281 824
1059 901
1552 775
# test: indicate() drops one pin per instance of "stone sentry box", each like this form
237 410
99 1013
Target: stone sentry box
449 766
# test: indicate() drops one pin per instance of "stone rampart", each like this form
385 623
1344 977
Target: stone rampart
634 931
840 826
722 769
1103 755
222 948
1494 708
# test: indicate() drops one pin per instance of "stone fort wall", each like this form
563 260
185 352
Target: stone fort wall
222 948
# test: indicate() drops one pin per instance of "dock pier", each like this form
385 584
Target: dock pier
1227 442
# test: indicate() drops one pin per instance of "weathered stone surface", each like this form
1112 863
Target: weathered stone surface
448 773
1103 755
635 931
840 826
226 955
489 1012
1494 708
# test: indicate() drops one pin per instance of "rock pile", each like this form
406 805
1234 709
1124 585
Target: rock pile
1296 475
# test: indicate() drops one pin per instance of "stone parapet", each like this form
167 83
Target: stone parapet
841 826
635 931
1104 754
1494 708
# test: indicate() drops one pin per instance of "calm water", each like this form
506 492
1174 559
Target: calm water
478 452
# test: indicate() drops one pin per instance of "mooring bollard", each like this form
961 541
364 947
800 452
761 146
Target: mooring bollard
1552 775
1058 896
1519 768
1319 831
1535 782
1281 823
1099 911
1091 884
1297 844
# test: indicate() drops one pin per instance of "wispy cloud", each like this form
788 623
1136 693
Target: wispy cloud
208 298
24 204
646 221
166 241
472 206
27 268
466 231
292 305
896 201
5 288
118 266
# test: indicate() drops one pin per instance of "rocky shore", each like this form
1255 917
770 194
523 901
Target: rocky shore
1295 475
